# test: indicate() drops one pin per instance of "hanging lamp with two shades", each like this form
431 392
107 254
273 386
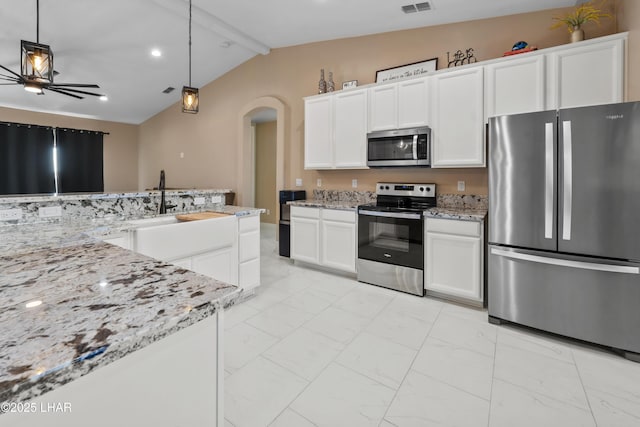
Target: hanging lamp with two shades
190 95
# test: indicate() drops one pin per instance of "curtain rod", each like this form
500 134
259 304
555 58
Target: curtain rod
53 127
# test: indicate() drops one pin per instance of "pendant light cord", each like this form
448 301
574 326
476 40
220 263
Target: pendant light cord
38 21
189 43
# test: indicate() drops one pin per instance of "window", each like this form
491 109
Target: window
44 160
26 159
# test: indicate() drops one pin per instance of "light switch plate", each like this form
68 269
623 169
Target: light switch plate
198 201
50 212
216 199
10 214
461 186
298 182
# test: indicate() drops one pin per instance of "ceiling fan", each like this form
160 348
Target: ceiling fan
36 72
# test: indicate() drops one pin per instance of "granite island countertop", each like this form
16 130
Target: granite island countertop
90 303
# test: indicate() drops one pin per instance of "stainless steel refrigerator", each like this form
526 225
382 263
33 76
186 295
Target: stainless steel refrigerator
564 223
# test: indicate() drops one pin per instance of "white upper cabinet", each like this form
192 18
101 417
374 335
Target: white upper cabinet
350 129
399 105
590 73
318 133
335 131
515 85
383 111
458 118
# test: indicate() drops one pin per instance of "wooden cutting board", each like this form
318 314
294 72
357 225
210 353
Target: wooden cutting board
199 216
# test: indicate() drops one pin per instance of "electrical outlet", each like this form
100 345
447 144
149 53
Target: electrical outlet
216 199
268 211
461 186
319 182
182 155
354 183
298 182
10 214
199 201
50 212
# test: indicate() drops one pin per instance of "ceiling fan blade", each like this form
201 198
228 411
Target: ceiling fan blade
12 72
10 79
75 85
74 90
63 92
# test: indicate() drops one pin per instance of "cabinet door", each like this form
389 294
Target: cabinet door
453 266
318 133
458 119
413 103
588 75
305 239
350 129
249 274
339 245
516 86
182 262
383 107
220 265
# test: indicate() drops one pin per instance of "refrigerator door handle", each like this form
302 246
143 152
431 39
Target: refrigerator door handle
548 181
611 268
567 180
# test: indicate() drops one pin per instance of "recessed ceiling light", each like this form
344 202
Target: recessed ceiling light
156 53
104 98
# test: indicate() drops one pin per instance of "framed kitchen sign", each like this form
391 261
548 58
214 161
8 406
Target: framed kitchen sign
409 70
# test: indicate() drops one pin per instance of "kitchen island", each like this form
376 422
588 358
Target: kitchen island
72 303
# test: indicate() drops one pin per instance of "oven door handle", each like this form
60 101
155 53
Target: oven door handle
403 215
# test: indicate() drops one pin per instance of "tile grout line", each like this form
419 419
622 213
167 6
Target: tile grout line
584 389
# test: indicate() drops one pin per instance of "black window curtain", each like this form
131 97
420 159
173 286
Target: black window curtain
26 159
79 158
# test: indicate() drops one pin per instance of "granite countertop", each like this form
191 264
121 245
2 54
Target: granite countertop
458 213
327 204
461 214
99 302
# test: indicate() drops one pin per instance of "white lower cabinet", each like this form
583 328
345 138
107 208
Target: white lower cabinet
305 234
454 254
325 237
220 264
249 252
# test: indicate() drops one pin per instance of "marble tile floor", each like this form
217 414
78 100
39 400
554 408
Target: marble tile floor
319 349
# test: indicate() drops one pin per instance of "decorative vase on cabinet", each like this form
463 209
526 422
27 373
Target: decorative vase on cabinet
577 35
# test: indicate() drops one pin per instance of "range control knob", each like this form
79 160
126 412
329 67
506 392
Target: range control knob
421 189
386 187
428 189
382 187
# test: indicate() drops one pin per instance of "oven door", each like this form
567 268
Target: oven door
391 237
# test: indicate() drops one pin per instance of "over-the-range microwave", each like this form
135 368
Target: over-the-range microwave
399 147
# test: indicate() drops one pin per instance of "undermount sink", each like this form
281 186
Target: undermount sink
158 220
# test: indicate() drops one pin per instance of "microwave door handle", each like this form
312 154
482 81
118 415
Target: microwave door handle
415 147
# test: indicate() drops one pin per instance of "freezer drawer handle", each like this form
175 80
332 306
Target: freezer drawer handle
548 181
566 178
567 263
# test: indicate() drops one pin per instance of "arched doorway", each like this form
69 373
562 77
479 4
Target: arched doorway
246 157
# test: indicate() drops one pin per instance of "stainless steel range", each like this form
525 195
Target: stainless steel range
391 236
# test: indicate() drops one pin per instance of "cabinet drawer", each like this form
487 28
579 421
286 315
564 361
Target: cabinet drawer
248 223
301 212
338 215
452 226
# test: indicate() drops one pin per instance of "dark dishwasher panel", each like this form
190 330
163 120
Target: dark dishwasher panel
285 218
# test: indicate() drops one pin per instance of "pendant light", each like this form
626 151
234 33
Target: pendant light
190 99
37 61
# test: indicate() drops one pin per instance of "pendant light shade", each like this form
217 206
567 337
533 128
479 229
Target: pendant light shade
37 63
190 99
190 96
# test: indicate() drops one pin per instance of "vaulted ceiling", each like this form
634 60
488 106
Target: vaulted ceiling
109 42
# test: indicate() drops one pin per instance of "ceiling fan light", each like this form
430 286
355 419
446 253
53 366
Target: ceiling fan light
190 99
33 87
37 62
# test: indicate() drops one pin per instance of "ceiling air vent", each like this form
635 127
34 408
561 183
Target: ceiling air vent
418 7
169 89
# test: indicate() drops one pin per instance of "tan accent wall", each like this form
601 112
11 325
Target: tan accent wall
265 187
629 20
210 139
120 146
